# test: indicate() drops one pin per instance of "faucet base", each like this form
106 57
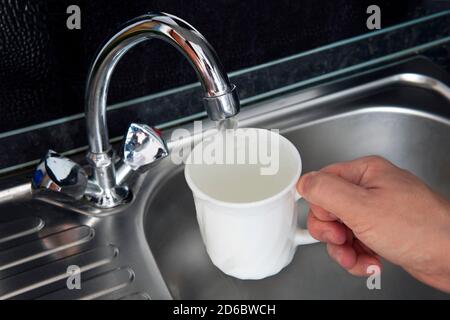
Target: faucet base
109 198
102 190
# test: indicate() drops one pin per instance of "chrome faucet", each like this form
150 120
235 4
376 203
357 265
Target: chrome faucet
106 187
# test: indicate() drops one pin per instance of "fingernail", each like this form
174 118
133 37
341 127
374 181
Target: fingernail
305 181
372 269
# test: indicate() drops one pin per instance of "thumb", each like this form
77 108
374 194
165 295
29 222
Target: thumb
347 201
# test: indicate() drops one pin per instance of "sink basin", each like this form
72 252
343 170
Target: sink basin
387 121
151 247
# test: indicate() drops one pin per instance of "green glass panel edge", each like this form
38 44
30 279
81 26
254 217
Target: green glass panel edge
343 42
266 95
240 72
300 84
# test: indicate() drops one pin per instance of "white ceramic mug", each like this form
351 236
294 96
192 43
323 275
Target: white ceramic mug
249 227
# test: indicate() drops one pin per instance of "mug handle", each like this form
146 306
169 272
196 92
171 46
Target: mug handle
302 236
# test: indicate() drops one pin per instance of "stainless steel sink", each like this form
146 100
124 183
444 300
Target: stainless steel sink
412 139
151 247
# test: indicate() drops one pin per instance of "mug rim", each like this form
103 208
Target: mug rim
197 192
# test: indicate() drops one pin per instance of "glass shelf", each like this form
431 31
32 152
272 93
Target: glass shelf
298 71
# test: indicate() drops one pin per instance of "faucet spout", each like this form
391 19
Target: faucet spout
220 97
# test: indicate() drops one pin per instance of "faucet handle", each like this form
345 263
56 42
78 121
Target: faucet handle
143 145
60 174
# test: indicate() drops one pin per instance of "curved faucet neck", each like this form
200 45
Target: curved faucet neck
220 97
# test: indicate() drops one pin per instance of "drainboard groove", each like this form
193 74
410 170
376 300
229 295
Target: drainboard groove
45 246
20 228
54 272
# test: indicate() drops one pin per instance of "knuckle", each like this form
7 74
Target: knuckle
377 165
376 161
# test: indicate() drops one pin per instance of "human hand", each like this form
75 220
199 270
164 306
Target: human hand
368 208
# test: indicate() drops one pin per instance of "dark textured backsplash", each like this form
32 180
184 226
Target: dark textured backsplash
43 65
